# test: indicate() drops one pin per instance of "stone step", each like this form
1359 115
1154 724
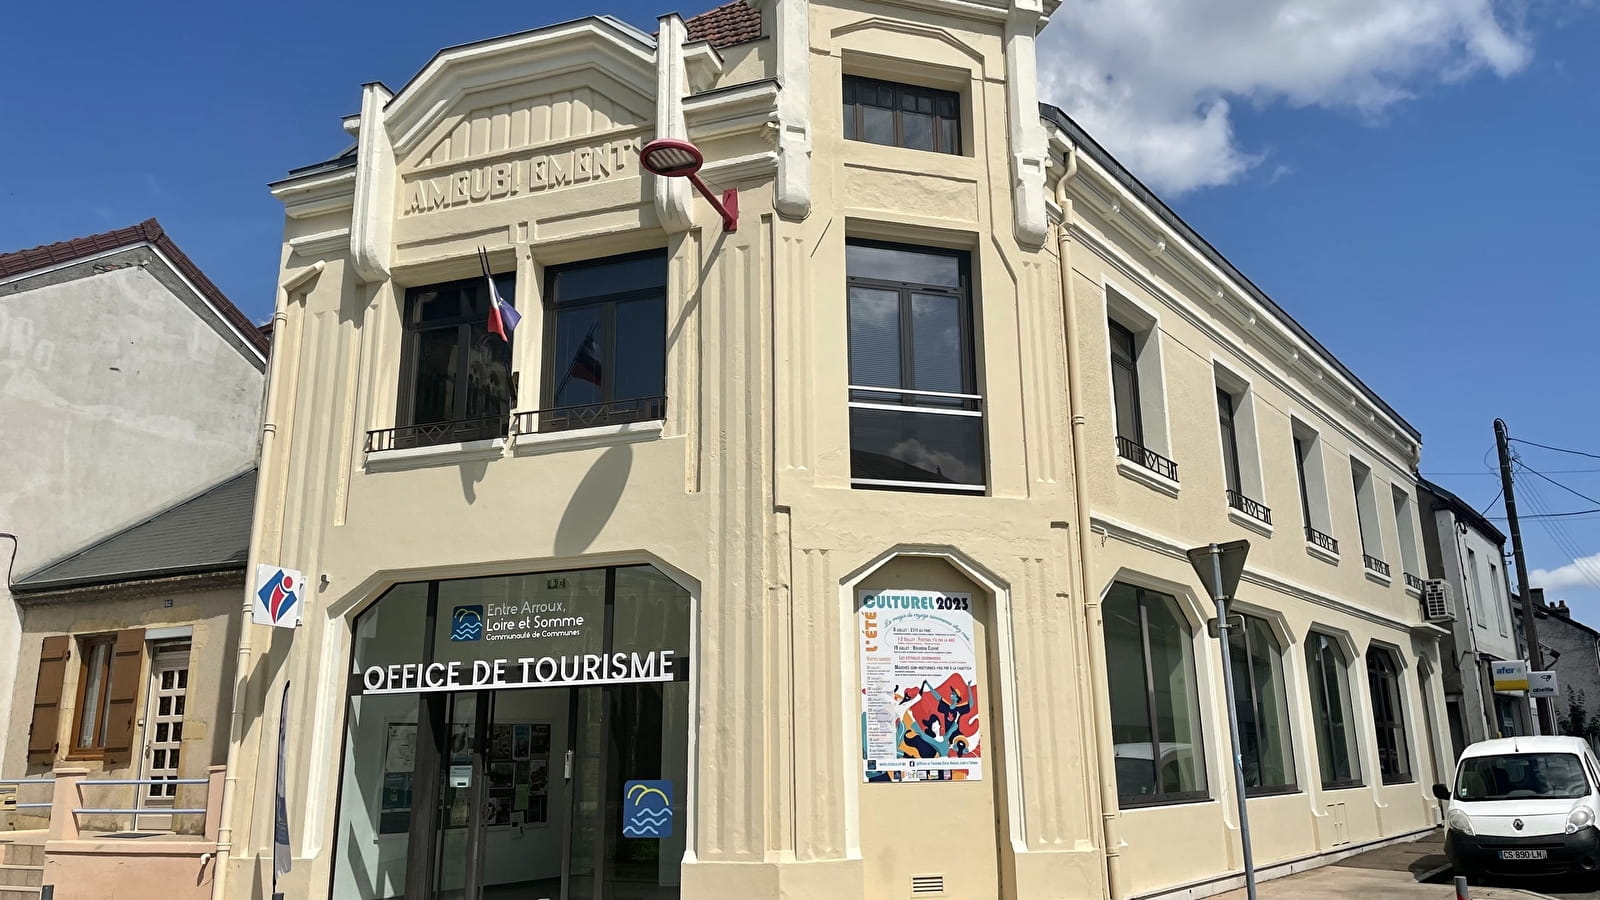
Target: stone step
12 854
19 893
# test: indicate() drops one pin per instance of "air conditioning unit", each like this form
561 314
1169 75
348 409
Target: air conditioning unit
1438 603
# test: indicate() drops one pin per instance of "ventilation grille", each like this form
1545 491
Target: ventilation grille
927 885
1437 603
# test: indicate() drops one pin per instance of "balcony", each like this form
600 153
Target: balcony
1413 582
589 415
1252 508
407 437
1147 458
1375 564
1324 541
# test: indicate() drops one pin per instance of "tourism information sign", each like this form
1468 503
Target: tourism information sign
919 687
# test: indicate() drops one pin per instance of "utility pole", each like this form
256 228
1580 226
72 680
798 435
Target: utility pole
1530 626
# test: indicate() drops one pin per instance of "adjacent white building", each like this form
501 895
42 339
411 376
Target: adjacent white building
128 382
1466 552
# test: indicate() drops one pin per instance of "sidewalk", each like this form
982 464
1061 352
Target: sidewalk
1387 873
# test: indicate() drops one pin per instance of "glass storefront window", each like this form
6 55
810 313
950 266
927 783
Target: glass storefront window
1155 711
488 788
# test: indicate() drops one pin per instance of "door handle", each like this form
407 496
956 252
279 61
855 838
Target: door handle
569 766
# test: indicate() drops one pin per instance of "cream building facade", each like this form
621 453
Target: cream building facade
752 564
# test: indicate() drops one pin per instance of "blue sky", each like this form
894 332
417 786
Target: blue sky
1414 182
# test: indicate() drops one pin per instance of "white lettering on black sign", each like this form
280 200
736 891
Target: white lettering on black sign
526 671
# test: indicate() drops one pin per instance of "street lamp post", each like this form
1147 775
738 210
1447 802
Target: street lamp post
1219 567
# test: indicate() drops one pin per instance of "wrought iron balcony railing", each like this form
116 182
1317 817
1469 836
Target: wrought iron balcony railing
432 434
1413 581
1375 564
589 415
1325 541
1252 508
1139 455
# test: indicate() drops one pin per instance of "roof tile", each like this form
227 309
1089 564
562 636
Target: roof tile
727 25
147 232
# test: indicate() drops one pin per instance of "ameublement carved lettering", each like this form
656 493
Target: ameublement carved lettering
532 174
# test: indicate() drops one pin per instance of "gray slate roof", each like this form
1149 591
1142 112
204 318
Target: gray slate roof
206 533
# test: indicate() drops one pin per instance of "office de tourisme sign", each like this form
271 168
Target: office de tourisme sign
568 670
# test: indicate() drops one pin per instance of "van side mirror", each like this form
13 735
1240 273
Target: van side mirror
1442 792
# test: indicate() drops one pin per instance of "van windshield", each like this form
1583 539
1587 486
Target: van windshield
1516 776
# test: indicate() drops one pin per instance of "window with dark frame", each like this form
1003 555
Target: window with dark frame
455 381
1125 383
916 419
1155 707
1328 668
94 693
1388 716
1265 742
901 115
1230 440
1300 471
606 342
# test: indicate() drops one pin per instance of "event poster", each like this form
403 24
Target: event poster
919 687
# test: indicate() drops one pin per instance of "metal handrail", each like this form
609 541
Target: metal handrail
1255 509
589 415
432 434
127 781
1413 581
1141 455
1375 564
143 811
1325 541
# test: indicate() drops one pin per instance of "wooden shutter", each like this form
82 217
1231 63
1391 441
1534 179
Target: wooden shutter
45 731
122 701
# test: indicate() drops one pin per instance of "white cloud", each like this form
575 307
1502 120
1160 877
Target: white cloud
1156 80
1582 572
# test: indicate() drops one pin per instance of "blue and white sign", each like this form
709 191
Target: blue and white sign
647 809
466 623
278 596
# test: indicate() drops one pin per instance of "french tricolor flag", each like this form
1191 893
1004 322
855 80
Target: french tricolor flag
503 317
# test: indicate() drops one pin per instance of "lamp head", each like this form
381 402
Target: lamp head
671 158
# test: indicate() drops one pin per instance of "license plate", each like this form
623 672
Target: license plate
1523 854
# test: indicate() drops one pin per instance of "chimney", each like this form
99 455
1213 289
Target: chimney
1538 596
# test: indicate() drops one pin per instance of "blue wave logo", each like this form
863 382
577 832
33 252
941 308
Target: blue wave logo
647 809
466 624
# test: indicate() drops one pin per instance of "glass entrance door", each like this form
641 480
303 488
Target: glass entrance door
558 794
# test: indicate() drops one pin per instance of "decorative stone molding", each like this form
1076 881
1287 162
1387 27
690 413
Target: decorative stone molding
793 29
372 222
671 194
1028 147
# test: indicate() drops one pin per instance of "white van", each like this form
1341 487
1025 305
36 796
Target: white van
1524 806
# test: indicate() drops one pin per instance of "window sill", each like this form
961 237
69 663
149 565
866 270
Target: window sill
1416 592
1288 790
436 455
1250 522
1327 556
1343 786
1378 577
1146 477
1133 805
581 438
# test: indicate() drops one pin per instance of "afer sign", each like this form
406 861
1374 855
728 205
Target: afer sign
568 670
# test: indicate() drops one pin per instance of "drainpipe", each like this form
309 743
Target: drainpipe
241 679
1093 628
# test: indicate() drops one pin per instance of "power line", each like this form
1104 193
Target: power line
1562 538
1558 515
1533 471
1497 474
1557 449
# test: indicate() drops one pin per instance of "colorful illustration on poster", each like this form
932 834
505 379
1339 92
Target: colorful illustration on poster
919 687
647 809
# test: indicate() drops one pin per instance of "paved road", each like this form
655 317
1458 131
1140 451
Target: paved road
1564 889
